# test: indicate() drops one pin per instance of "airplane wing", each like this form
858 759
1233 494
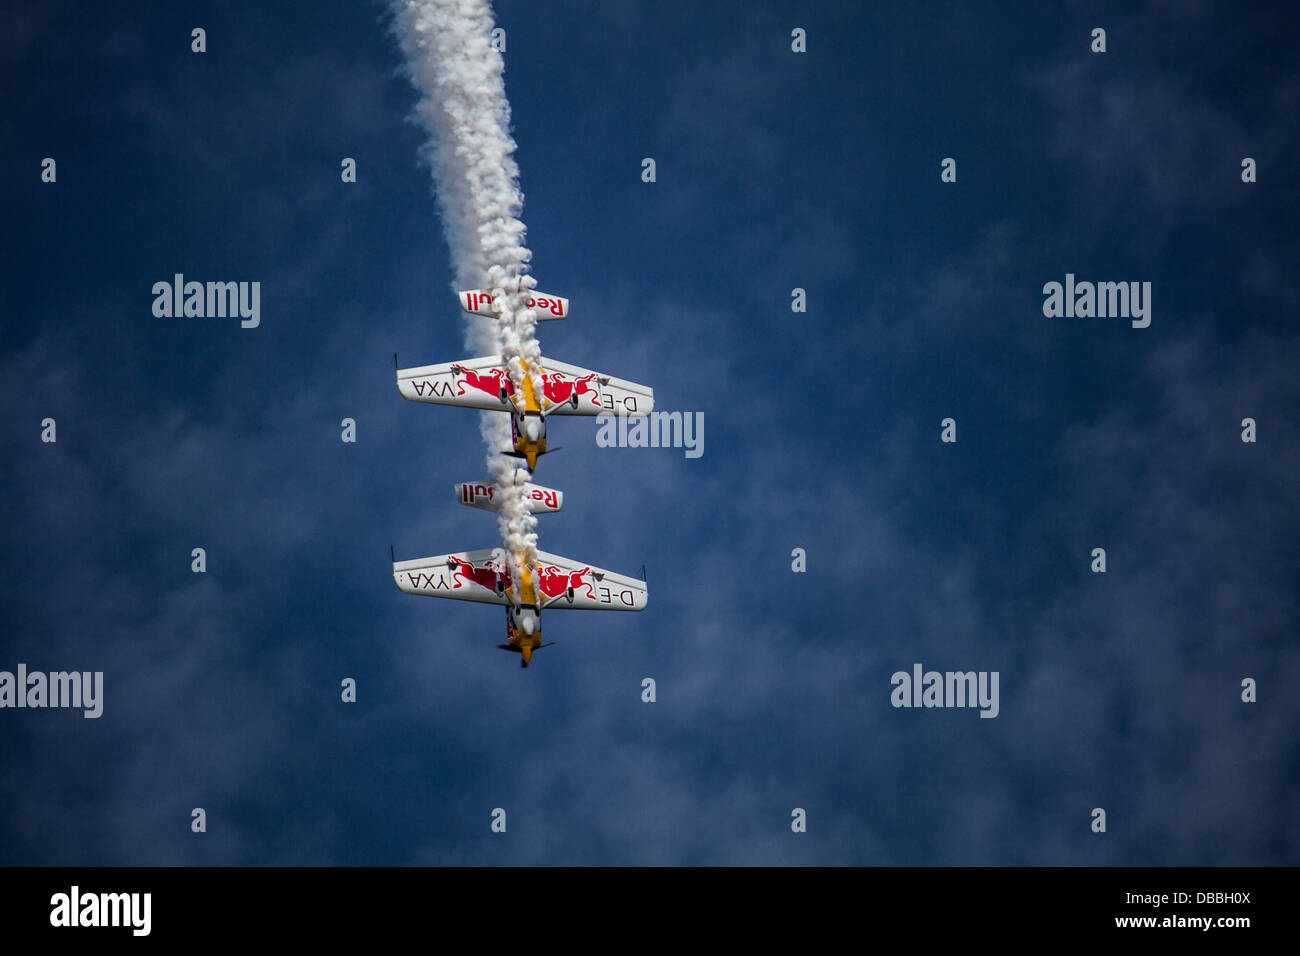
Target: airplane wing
481 382
597 393
482 576
473 383
594 589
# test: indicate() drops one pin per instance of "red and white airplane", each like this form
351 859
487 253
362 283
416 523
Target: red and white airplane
485 383
552 582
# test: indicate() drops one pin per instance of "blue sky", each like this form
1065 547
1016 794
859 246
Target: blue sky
775 170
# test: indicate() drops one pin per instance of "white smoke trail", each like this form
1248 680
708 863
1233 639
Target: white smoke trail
463 107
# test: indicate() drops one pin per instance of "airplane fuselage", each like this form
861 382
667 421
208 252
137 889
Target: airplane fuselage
528 429
528 424
524 615
518 639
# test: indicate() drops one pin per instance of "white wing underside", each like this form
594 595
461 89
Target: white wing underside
478 383
484 576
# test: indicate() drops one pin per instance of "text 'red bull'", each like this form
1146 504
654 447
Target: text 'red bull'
480 303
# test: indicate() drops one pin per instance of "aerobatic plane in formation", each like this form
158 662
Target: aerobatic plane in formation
551 582
485 576
485 383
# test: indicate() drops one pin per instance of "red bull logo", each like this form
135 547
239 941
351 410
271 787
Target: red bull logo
547 496
491 382
483 495
473 494
487 576
556 386
560 388
479 302
554 581
472 300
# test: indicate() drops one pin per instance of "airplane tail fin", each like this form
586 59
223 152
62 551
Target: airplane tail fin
483 494
525 652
